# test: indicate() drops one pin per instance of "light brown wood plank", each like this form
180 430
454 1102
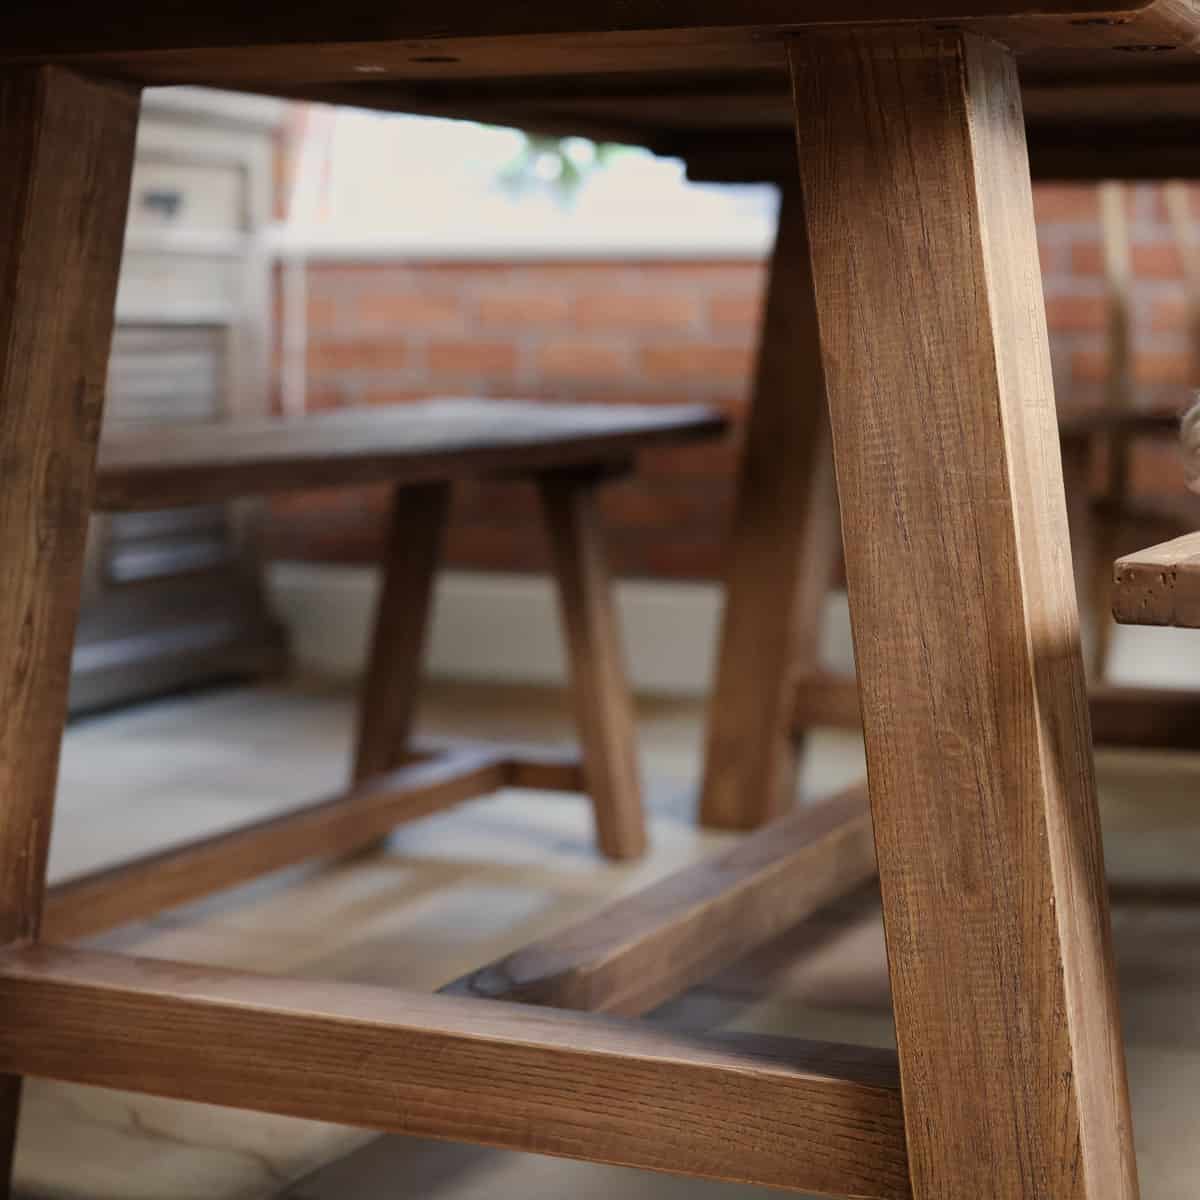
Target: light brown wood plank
436 441
916 183
388 696
781 546
653 945
771 1111
1159 585
600 694
327 828
66 146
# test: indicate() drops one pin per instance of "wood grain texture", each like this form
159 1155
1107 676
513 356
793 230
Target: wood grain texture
916 184
771 1111
600 695
436 441
781 547
653 945
388 695
1159 585
67 147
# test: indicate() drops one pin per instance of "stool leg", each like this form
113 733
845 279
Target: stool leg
924 258
599 689
388 699
781 551
67 146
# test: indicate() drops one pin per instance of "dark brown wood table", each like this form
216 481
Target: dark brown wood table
912 299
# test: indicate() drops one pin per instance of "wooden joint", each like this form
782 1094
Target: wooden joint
649 947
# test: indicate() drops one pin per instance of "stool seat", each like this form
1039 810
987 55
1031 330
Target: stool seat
569 451
435 441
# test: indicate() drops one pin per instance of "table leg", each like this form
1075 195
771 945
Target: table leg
388 699
922 242
66 145
599 690
781 553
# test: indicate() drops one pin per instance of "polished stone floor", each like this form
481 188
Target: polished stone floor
459 889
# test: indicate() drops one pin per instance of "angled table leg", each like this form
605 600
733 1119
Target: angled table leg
388 698
784 536
922 242
599 689
66 145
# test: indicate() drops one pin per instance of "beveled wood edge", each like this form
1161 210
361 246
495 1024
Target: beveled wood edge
436 777
1159 585
650 946
778 1112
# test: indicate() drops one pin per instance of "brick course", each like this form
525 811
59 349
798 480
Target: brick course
660 332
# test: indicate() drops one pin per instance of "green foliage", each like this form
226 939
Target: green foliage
557 165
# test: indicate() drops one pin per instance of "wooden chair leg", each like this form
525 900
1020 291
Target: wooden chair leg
388 699
67 147
599 689
781 552
924 258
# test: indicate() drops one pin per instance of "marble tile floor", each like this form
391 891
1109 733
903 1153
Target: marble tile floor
461 888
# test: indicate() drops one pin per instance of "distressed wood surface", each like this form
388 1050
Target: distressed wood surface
653 945
915 177
1159 585
772 1111
783 537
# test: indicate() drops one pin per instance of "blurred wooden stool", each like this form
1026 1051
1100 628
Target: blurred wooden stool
785 545
569 451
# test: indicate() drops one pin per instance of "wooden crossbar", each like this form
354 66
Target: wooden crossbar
646 948
1136 717
774 1112
326 828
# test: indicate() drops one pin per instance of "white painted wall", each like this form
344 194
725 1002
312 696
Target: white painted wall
505 628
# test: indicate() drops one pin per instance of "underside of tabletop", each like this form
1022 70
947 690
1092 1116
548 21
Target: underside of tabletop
706 80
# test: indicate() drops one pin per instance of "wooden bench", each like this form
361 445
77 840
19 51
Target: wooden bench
421 450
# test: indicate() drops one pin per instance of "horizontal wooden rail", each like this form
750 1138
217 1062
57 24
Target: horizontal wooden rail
337 825
1135 717
1159 586
648 947
766 1111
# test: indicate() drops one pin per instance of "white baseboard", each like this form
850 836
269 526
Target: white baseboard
505 628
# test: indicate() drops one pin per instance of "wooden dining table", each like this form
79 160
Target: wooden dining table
911 300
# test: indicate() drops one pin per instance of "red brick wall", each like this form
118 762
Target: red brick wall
657 332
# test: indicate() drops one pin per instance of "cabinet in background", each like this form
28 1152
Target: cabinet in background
175 598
